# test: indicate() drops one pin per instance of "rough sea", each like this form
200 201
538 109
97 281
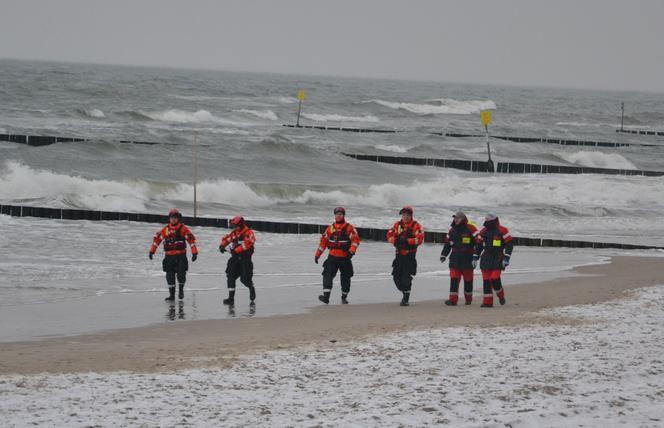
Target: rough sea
249 164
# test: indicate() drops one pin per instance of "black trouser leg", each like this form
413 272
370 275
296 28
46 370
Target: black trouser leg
232 274
247 276
330 269
346 268
468 290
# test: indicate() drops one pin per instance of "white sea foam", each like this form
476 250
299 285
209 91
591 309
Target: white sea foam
96 113
340 118
391 148
181 116
440 106
287 100
598 160
263 114
582 194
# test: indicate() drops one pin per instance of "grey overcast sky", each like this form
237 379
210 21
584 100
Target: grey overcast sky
607 44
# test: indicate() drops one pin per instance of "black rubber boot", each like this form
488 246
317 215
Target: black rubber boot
325 298
404 299
502 300
344 299
181 292
171 294
230 301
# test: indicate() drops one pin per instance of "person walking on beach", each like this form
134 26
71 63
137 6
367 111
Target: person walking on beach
241 240
342 240
406 235
175 236
459 245
494 245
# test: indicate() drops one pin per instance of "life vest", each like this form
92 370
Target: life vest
494 239
406 232
238 239
339 239
174 240
463 238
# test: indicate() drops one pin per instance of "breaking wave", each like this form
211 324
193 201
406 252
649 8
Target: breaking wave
340 118
597 160
181 116
440 106
95 113
263 114
574 193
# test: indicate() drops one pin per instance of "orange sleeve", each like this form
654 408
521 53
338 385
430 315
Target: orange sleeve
226 239
391 234
418 239
156 241
322 245
354 240
191 239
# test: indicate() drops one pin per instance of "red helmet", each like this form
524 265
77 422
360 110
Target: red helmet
175 213
406 209
237 221
341 210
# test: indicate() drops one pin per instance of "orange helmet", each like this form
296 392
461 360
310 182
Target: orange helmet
237 221
175 213
406 209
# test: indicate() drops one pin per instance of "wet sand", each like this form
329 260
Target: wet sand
210 343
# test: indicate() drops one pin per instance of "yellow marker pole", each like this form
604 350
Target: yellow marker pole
485 118
300 98
195 171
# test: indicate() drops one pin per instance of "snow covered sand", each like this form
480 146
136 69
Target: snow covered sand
586 365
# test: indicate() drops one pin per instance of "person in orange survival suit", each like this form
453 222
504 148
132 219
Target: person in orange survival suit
406 235
460 241
342 240
495 245
241 240
175 236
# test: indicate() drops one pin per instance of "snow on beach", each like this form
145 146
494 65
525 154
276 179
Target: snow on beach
604 368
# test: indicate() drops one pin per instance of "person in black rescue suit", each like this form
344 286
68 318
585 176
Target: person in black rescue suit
460 242
175 236
495 246
342 240
241 240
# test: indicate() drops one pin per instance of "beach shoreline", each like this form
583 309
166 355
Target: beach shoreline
218 343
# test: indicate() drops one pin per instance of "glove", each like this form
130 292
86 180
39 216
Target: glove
194 257
350 255
506 261
150 254
475 259
222 249
316 259
442 258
